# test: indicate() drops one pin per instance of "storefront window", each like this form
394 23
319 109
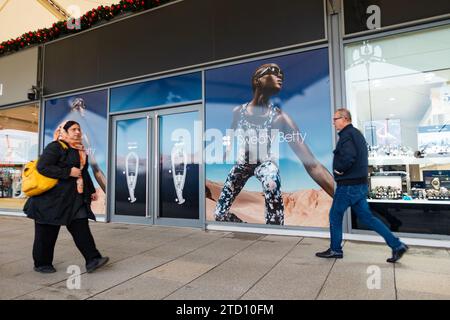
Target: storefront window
90 111
398 89
157 93
268 123
18 145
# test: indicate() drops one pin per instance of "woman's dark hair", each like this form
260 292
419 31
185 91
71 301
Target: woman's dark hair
69 124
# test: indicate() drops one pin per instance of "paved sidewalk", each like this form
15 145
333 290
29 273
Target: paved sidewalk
152 262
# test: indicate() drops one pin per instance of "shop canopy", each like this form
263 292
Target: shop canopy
20 16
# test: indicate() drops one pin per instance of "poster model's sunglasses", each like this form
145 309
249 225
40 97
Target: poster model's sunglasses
270 70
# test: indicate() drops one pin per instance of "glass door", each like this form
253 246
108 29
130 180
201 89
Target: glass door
178 153
156 167
131 193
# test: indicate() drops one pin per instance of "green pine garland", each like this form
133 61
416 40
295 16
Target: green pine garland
86 21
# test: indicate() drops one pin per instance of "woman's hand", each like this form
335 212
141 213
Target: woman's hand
75 172
94 196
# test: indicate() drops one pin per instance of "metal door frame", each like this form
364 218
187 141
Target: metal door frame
152 179
176 222
148 218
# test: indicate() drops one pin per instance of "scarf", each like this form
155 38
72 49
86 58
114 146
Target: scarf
61 134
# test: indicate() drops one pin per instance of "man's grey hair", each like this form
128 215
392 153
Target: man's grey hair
345 113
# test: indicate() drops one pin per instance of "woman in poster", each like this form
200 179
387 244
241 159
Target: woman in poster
78 113
261 116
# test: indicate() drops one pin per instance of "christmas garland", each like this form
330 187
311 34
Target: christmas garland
86 21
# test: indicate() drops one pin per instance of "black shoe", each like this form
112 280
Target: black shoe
330 254
96 263
397 254
229 217
45 269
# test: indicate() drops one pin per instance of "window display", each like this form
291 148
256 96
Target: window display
273 118
398 90
90 111
18 145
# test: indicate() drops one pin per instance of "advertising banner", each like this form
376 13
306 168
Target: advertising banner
179 167
269 141
90 111
131 167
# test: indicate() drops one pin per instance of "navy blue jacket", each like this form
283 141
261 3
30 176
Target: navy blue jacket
350 157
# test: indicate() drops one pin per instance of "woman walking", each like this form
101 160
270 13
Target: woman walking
68 203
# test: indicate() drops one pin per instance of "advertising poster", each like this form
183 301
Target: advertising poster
179 167
90 111
131 167
269 141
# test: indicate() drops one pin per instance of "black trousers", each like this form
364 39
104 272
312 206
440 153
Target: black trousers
45 236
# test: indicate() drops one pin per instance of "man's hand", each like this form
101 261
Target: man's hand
94 196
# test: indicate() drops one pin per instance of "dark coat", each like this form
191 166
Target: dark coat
351 157
56 206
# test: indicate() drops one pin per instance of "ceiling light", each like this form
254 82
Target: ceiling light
428 77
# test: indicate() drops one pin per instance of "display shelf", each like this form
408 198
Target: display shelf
380 161
415 201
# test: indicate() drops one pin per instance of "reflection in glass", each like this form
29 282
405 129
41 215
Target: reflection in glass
18 145
398 90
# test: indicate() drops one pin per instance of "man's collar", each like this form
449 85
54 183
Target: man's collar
345 128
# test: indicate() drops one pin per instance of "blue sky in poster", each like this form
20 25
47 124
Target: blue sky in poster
305 97
184 121
132 133
93 122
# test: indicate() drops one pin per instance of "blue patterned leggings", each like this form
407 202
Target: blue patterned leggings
269 175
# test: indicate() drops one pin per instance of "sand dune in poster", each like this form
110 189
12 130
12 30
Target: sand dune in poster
307 208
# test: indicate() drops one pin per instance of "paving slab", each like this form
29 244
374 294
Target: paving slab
11 288
49 293
430 260
416 295
159 262
419 282
362 274
142 288
185 245
298 276
236 276
169 277
110 275
115 274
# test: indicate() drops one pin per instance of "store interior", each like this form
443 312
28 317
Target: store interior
18 145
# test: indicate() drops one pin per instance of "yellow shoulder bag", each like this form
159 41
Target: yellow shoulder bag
34 183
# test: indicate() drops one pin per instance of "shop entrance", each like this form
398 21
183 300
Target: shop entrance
156 167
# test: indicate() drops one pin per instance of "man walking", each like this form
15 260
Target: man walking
350 169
